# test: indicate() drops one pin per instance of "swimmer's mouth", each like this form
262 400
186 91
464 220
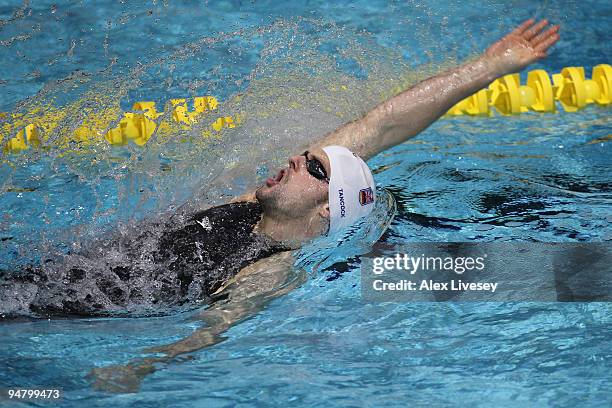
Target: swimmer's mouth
272 181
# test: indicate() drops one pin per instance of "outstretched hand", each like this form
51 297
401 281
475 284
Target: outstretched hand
525 45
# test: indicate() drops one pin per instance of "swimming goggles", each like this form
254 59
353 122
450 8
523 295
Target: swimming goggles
315 168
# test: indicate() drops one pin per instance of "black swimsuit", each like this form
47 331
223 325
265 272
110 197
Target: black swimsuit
154 271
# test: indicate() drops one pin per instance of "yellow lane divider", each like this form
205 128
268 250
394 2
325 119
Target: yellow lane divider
137 126
570 87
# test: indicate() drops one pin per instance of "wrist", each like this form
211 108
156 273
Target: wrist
493 68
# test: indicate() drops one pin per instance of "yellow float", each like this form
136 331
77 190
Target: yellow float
570 88
137 126
506 95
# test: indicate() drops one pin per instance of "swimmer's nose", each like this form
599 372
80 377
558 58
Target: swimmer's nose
295 162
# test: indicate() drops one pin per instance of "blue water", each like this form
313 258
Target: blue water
532 177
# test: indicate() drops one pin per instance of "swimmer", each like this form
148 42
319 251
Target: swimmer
241 249
322 190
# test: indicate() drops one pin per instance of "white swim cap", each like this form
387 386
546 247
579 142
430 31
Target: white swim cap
351 188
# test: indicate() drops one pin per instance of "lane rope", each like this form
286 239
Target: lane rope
505 95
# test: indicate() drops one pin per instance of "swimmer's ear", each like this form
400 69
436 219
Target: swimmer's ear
324 211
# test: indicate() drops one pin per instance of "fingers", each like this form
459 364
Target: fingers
540 40
524 26
541 55
533 31
547 43
543 36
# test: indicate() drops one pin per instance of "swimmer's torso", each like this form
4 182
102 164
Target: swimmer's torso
146 273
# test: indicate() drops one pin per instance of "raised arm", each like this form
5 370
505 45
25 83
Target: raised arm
407 114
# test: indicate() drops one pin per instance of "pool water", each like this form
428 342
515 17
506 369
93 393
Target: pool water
534 177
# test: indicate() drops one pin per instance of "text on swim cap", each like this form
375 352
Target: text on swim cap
342 207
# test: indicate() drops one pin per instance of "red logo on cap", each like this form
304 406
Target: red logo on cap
366 196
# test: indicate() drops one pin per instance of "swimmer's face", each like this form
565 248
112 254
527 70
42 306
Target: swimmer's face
294 192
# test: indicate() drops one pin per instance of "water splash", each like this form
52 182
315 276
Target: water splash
307 77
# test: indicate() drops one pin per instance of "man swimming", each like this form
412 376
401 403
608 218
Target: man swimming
322 190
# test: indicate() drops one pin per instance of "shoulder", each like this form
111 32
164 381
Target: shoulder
230 215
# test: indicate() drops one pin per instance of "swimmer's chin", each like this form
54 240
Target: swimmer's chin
260 193
265 194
